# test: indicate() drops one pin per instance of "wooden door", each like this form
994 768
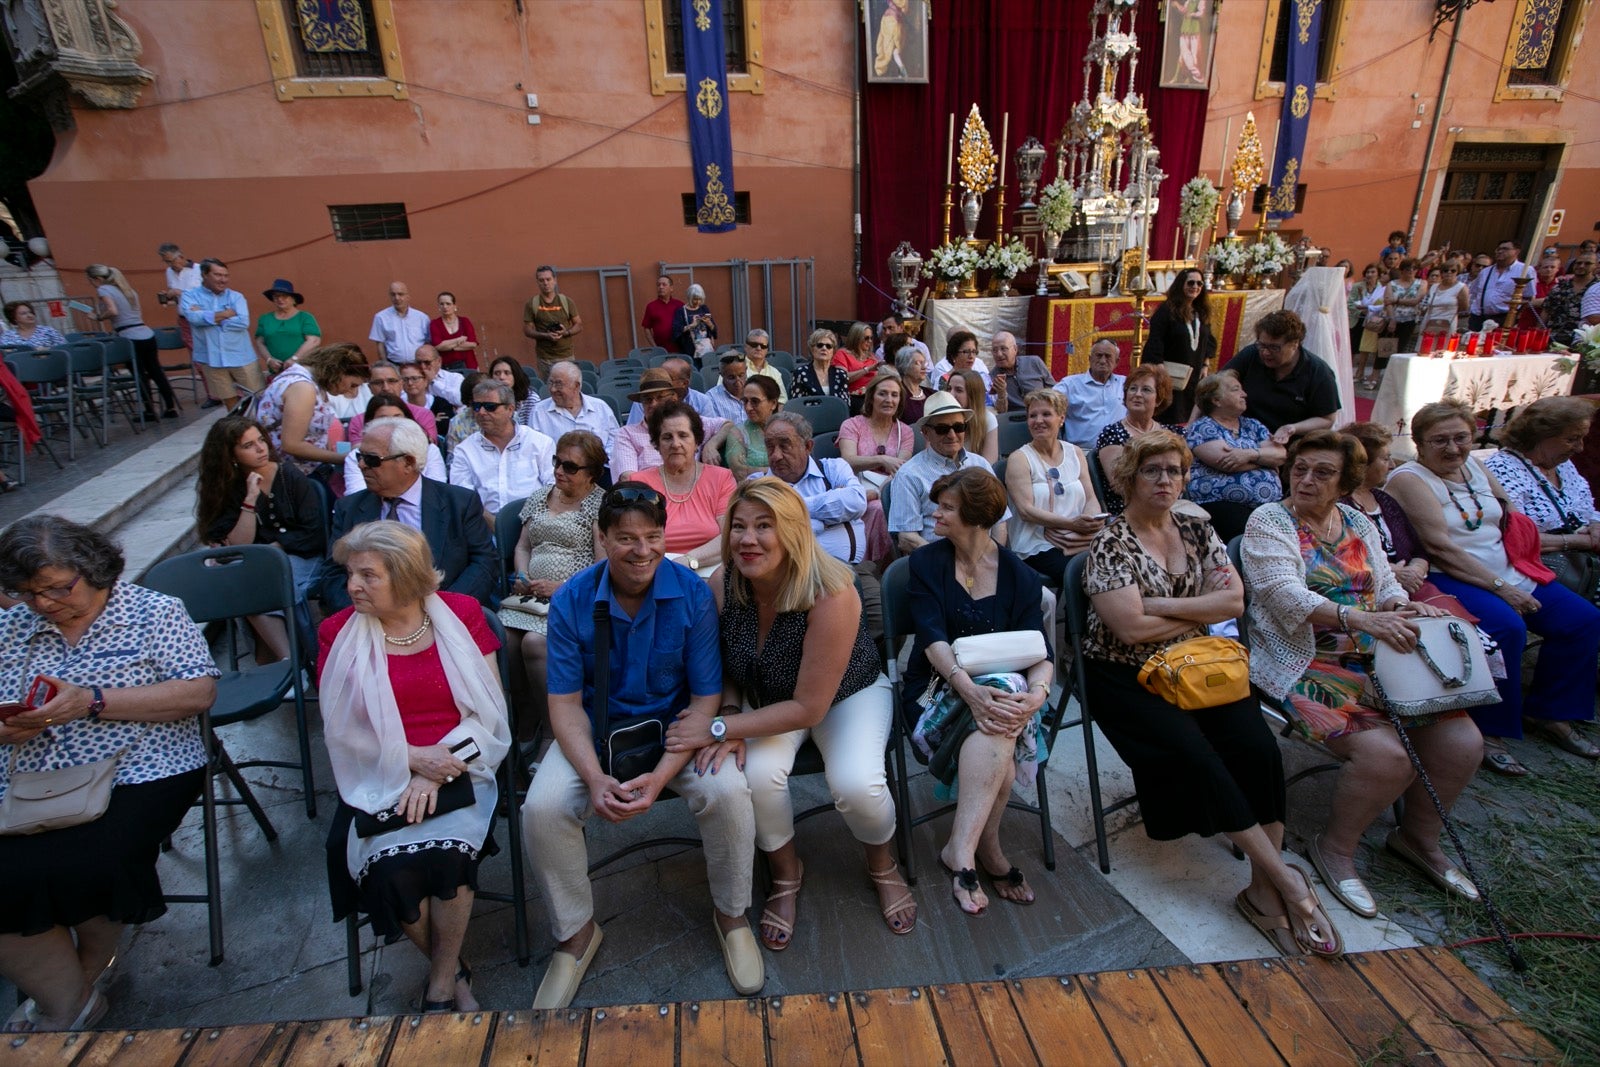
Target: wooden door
1491 193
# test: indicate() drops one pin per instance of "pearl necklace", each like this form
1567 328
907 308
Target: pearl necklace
679 498
415 636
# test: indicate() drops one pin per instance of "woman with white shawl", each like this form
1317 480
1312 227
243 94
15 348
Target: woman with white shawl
411 702
1319 299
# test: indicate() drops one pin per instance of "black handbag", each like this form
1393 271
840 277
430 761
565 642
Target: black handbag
453 796
635 747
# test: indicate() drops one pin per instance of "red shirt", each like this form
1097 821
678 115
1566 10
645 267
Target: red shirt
427 710
658 316
852 363
464 328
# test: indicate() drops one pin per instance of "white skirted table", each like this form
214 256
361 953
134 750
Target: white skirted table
984 316
1495 384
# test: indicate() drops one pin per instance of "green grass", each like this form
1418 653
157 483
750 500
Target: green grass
1535 844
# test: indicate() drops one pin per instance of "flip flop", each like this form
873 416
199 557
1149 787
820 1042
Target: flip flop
1501 761
1351 892
1336 944
890 876
1012 879
1453 880
1275 928
781 888
966 881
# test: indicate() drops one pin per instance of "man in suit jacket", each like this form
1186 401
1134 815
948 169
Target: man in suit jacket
393 451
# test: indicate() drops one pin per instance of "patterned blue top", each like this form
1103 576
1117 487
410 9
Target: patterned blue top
141 638
1206 484
43 337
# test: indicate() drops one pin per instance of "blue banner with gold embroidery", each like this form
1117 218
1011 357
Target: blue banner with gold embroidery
332 25
1299 89
705 69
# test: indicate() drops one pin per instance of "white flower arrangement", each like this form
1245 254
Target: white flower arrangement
1007 260
1270 255
1230 257
1585 345
1197 203
951 261
1056 205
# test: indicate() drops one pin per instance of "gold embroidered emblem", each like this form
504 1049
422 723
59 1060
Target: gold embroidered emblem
1304 11
1300 106
714 209
1283 198
708 101
702 15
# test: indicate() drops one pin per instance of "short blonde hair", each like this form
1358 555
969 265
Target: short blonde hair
1430 415
1144 448
811 573
405 554
1056 401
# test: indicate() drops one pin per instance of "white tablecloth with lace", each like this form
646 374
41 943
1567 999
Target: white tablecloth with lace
1496 384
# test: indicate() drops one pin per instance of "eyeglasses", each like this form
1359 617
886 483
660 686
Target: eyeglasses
566 466
57 593
1158 474
1459 440
635 494
487 405
756 344
943 428
1319 474
372 461
1267 349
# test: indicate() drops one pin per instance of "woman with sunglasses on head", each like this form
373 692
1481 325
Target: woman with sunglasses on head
821 377
245 495
388 407
1054 510
1180 332
559 524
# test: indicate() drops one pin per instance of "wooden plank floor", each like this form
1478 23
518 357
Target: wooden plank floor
1413 1006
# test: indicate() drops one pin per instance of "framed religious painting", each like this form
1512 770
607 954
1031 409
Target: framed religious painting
897 41
1188 43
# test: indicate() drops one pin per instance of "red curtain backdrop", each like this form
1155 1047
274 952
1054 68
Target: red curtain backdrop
1021 56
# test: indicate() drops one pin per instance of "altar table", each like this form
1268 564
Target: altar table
1494 384
1061 331
984 316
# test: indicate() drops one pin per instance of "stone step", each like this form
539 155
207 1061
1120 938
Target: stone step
164 527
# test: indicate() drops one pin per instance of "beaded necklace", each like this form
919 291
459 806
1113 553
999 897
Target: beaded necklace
1472 523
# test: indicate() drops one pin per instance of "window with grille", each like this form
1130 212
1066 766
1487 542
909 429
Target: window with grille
369 222
741 209
732 35
1327 36
309 62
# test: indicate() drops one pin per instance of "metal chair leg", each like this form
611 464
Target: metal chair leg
352 953
229 768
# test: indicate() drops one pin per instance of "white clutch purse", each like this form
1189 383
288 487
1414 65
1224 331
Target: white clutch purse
1008 652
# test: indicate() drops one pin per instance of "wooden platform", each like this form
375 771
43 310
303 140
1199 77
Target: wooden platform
1410 1006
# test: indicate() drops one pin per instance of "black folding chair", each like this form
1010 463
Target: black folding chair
825 445
510 807
170 339
1013 428
49 371
824 413
507 531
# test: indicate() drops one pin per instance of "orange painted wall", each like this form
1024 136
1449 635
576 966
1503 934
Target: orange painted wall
1364 157
212 160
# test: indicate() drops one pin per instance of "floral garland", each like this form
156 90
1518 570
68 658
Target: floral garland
1197 203
1008 260
1056 204
951 261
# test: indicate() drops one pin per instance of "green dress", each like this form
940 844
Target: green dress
283 337
755 444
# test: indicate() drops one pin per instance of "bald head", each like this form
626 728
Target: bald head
1103 358
1003 351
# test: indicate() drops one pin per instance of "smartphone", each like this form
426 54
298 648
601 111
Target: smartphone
1101 516
40 693
465 750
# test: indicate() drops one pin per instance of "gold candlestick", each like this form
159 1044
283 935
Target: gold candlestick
944 218
1000 216
1515 310
1138 327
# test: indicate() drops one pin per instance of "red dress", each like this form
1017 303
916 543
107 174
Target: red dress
464 328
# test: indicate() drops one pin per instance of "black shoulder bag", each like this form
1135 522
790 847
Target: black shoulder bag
631 750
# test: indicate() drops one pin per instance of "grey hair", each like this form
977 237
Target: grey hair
502 392
758 334
33 543
793 419
1116 350
697 290
906 356
383 363
168 249
405 437
566 364
405 552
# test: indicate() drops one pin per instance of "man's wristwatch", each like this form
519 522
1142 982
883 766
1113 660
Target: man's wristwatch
719 728
1499 584
97 704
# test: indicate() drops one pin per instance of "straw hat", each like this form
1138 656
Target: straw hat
655 380
942 403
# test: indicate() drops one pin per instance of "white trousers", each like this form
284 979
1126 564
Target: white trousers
851 737
552 828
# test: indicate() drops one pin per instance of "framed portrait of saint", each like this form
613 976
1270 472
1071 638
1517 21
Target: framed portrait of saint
1188 43
897 41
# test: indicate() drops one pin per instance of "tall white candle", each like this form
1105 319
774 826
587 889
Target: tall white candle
1227 140
1005 134
950 152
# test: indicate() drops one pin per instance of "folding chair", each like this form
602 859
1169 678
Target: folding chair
629 360
824 413
1013 431
647 353
510 807
1097 475
170 339
122 381
782 360
507 531
825 445
50 372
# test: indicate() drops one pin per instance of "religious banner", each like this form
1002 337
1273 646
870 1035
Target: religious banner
1299 87
1061 331
705 69
1191 27
1536 36
332 25
897 36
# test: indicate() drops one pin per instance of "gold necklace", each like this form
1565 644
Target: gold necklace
679 498
413 637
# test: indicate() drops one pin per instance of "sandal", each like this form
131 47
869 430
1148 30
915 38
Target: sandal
1568 740
463 974
890 876
1275 928
1501 761
781 888
1335 945
966 881
1013 879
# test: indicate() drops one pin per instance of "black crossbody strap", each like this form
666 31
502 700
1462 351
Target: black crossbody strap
602 673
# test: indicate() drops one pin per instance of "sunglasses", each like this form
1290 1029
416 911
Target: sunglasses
372 461
823 345
756 344
1054 474
566 466
944 428
635 494
487 405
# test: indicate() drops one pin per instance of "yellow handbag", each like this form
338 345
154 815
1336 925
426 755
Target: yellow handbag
1202 672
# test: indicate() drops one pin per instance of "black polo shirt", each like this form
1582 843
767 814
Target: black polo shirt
1309 392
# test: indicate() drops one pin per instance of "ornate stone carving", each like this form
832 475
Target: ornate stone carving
80 45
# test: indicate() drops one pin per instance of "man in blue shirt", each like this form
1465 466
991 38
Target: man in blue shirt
220 321
664 663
